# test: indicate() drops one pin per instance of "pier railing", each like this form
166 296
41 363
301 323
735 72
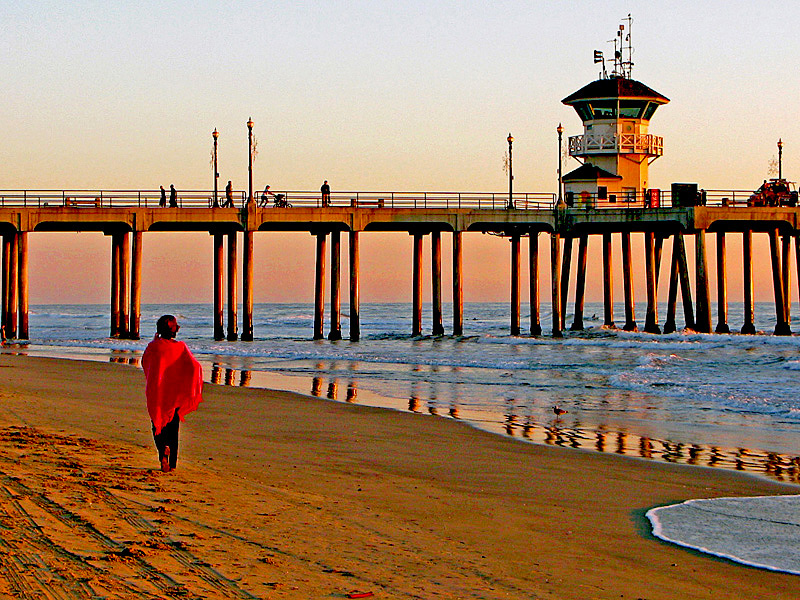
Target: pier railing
205 199
374 200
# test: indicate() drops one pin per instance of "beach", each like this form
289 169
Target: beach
278 495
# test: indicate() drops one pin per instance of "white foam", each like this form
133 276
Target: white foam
761 531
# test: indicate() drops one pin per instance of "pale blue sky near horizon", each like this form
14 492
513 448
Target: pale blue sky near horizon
372 95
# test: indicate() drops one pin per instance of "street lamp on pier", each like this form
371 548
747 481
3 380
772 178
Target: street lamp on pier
780 159
510 174
215 135
250 161
560 131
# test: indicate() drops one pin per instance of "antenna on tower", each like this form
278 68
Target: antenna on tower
623 51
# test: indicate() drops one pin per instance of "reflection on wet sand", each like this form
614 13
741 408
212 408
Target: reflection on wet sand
124 357
575 434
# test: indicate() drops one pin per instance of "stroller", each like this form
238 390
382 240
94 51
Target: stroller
281 201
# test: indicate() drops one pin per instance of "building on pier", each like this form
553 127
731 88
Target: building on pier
615 148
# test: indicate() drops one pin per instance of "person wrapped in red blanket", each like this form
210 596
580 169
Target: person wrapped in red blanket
174 387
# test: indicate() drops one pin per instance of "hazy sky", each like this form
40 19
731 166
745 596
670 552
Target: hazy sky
371 96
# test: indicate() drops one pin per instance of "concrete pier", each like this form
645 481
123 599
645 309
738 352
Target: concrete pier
219 323
781 323
627 283
247 287
608 283
233 308
458 286
515 274
533 267
319 286
555 281
355 308
580 283
22 256
136 286
437 327
651 318
416 283
722 286
336 303
747 264
116 250
703 312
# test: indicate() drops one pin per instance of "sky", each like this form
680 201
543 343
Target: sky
369 95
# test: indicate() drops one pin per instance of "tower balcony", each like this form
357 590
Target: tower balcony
624 143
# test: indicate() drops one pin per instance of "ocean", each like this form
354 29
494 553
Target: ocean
728 401
725 401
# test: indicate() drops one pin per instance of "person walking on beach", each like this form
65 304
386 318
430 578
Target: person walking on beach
163 201
228 196
174 387
326 193
173 196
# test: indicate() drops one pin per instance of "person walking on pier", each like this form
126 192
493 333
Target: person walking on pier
228 196
326 194
173 196
174 387
163 201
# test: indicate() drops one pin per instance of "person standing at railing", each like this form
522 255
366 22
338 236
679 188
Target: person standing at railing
228 196
163 201
173 196
326 194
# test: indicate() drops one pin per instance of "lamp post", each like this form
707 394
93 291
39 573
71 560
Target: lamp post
215 135
510 174
780 159
250 161
560 131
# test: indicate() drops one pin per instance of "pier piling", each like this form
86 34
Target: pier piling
247 287
608 283
233 309
458 286
124 283
13 290
416 314
555 281
533 267
335 333
580 283
355 309
747 264
651 318
136 285
627 283
786 272
436 283
319 286
115 284
703 312
22 244
219 326
781 325
515 274
722 286
566 264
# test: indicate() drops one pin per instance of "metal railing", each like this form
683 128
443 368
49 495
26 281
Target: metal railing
80 199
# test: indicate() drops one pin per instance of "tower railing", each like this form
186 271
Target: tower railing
626 143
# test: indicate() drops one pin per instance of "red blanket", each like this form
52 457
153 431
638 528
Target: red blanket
174 381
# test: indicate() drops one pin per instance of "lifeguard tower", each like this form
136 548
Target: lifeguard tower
615 148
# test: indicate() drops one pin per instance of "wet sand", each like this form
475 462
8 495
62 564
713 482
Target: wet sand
279 495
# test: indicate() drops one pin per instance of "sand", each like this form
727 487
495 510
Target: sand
278 495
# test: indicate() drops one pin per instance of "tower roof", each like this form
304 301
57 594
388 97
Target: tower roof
589 172
615 87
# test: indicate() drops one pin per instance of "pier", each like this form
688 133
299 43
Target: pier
430 218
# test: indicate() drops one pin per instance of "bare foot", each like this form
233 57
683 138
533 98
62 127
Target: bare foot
165 461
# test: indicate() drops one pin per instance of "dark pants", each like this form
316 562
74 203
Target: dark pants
168 437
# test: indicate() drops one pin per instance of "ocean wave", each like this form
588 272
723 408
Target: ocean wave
756 531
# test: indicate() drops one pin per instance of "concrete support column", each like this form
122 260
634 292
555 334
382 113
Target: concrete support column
749 300
6 268
22 244
555 281
608 283
627 283
355 310
416 293
686 284
533 267
515 275
722 286
781 325
672 296
124 283
703 293
219 324
233 308
458 286
566 264
436 282
116 250
651 318
336 287
136 286
13 290
786 273
319 286
580 283
247 287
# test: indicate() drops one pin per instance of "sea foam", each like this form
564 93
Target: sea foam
761 531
